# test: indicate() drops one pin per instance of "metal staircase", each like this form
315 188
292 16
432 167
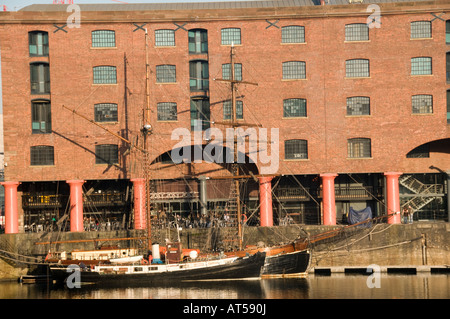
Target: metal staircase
425 193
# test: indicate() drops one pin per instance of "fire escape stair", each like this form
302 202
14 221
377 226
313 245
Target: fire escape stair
426 193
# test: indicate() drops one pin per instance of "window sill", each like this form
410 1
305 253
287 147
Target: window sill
422 114
166 121
103 48
359 158
166 82
108 84
41 166
294 43
413 39
107 123
358 41
294 117
293 80
359 116
229 45
296 160
357 77
418 75
164 46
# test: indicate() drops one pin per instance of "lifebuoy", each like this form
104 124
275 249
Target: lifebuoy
144 261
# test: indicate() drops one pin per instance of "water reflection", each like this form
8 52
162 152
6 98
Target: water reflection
336 286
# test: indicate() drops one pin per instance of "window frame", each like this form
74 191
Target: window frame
417 109
41 115
416 65
355 100
44 155
203 115
302 109
100 157
291 150
353 70
226 71
103 36
169 109
352 34
200 39
231 39
364 146
102 76
164 71
42 75
417 28
198 83
227 107
164 38
98 114
290 71
292 34
44 46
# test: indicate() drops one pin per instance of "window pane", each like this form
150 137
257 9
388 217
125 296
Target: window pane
105 75
356 32
167 111
199 75
40 78
105 112
198 41
165 74
359 148
41 117
38 43
293 34
294 108
42 155
358 105
420 29
227 110
357 68
103 38
421 66
226 71
296 149
294 70
164 38
447 32
422 104
106 154
231 36
200 114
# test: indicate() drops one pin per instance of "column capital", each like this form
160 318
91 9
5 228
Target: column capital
75 181
264 179
393 174
10 183
328 175
137 180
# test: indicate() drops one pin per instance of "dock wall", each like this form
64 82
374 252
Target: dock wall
423 245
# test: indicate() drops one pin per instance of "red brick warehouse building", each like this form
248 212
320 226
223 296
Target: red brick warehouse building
362 107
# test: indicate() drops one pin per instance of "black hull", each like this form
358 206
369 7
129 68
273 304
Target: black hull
242 268
287 264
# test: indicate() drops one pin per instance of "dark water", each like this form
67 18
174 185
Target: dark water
336 286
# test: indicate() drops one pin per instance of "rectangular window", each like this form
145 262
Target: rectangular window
421 66
105 74
199 75
447 32
164 38
42 155
167 111
293 34
226 71
358 105
420 29
231 36
359 148
294 108
357 68
166 74
38 43
40 78
356 32
200 114
198 41
422 104
294 70
103 39
41 120
105 112
296 149
106 154
227 110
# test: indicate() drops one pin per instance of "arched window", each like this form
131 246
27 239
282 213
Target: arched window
105 112
165 38
198 41
293 34
357 68
103 39
199 75
356 32
359 148
41 117
294 108
105 74
294 70
40 78
42 155
38 43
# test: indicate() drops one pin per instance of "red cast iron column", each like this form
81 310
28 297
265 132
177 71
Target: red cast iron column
328 199
11 214
393 197
140 220
265 200
76 205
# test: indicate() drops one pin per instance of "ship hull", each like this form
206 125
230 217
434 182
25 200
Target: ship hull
286 264
240 268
